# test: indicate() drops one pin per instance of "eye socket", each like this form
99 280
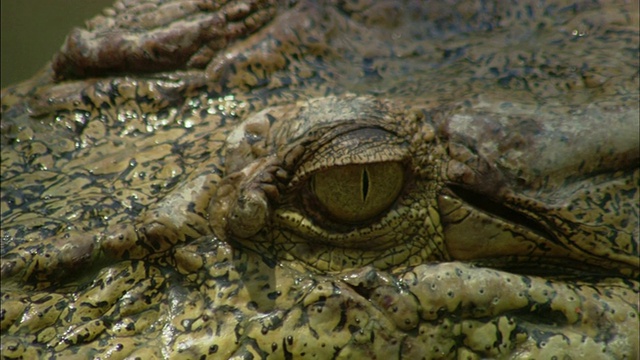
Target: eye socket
354 193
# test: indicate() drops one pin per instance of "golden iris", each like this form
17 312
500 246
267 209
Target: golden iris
359 192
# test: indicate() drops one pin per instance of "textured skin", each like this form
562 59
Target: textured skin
155 199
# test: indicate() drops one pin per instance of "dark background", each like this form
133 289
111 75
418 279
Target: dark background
33 30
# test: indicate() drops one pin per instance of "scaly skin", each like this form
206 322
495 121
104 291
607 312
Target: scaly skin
159 184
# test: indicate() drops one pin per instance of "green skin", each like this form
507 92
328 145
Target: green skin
166 184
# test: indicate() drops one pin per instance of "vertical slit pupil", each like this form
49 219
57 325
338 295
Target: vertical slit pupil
365 184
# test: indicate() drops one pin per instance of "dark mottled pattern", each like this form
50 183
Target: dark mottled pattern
156 198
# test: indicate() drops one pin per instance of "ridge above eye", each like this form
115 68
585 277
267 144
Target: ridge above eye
359 192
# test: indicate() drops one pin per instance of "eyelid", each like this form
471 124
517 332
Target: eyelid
362 146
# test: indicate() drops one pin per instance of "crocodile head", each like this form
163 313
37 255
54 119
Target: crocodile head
328 180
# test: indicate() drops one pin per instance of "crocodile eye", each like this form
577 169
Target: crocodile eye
354 193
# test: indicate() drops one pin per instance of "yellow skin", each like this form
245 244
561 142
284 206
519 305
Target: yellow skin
327 181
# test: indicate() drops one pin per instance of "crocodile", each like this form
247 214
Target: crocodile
327 179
